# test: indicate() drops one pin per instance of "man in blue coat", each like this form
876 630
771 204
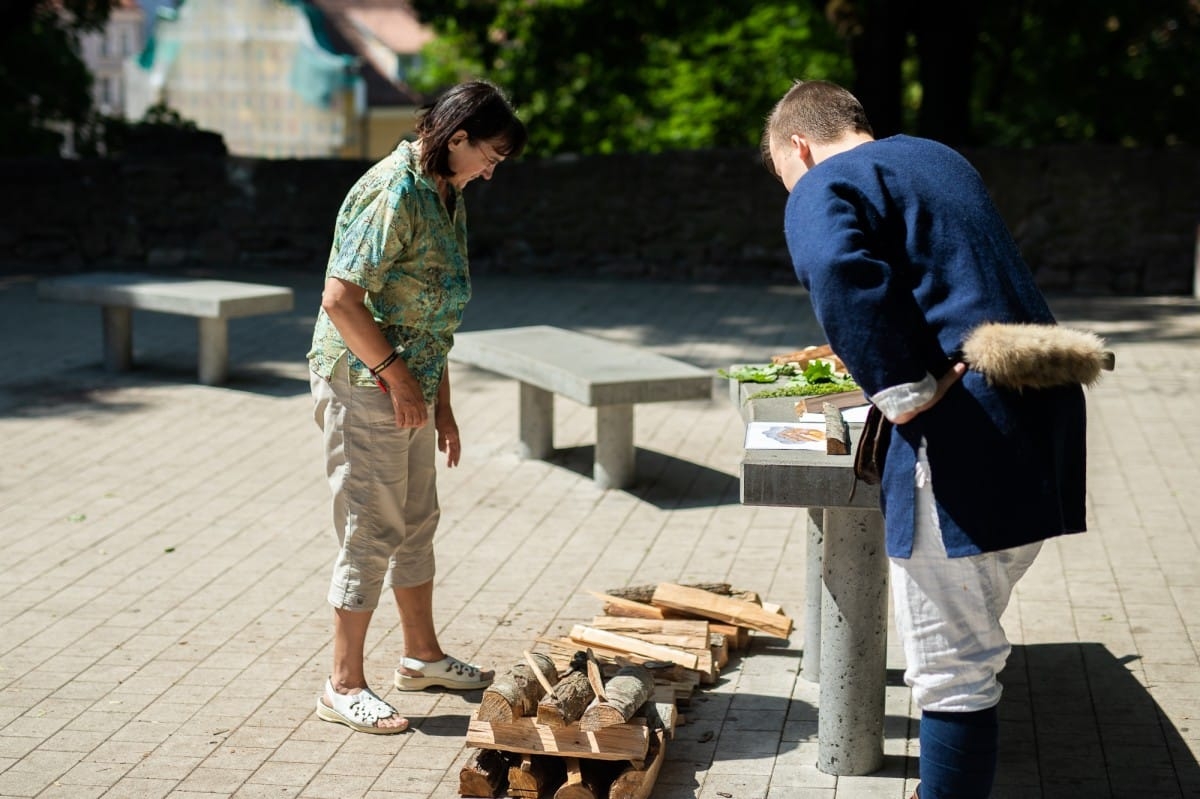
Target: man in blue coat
904 254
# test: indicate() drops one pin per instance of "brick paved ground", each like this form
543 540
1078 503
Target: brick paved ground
164 550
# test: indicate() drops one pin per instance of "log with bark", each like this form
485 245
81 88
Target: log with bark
644 593
625 694
516 692
618 606
837 432
484 774
570 697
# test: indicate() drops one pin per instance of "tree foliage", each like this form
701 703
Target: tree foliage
43 80
650 75
1110 71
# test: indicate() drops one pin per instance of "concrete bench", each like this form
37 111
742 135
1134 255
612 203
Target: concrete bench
606 375
212 302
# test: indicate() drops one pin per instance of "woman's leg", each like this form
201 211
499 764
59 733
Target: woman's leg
363 504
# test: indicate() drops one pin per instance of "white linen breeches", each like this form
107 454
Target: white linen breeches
948 611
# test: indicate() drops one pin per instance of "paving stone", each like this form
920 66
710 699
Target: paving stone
173 638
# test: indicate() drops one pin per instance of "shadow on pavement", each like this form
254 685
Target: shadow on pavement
662 480
1075 723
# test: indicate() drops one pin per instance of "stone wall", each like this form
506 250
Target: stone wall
1094 220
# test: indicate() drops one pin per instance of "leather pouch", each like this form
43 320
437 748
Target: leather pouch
872 447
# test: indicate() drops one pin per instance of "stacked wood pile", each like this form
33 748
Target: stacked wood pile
590 717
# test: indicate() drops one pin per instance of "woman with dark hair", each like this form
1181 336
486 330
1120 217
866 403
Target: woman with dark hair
395 288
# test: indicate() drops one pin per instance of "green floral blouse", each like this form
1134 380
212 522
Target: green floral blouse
395 238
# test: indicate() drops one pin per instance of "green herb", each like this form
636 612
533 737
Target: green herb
806 390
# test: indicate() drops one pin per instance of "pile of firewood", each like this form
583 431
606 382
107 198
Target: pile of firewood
590 718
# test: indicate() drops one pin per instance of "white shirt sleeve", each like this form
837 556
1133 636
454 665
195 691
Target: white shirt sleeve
894 401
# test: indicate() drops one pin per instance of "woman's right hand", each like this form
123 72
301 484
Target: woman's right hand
408 402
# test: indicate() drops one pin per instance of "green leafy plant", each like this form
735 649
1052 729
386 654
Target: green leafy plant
816 379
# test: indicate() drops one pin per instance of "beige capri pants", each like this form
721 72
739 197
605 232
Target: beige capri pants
384 483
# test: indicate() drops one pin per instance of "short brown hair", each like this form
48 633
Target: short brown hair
478 107
818 109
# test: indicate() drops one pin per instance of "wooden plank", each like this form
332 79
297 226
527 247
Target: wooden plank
590 635
627 741
725 609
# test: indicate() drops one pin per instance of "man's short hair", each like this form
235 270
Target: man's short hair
818 109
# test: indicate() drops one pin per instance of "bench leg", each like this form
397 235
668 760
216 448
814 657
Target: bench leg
810 664
213 344
614 461
118 338
536 422
853 643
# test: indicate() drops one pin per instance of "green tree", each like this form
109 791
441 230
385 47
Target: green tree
1024 72
1106 71
626 75
43 81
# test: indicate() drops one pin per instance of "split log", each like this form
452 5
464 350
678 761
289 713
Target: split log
738 638
637 780
533 775
678 633
617 606
516 692
837 432
718 644
625 694
579 784
682 681
566 703
590 635
484 774
733 611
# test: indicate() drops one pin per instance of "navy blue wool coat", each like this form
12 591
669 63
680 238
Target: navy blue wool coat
903 254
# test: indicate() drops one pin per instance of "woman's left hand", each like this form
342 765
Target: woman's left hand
448 440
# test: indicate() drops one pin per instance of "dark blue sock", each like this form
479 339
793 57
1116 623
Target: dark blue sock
958 754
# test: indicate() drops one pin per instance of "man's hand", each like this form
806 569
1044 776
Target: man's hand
950 378
448 440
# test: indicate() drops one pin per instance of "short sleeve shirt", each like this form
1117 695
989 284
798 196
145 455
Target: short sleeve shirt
395 238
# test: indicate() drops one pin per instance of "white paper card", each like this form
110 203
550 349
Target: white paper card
786 435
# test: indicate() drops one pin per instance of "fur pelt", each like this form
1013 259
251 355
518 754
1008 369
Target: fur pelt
1019 356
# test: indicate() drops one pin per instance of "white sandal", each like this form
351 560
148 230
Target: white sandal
360 712
449 672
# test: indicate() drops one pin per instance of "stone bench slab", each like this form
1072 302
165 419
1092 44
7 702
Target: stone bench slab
212 302
609 376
